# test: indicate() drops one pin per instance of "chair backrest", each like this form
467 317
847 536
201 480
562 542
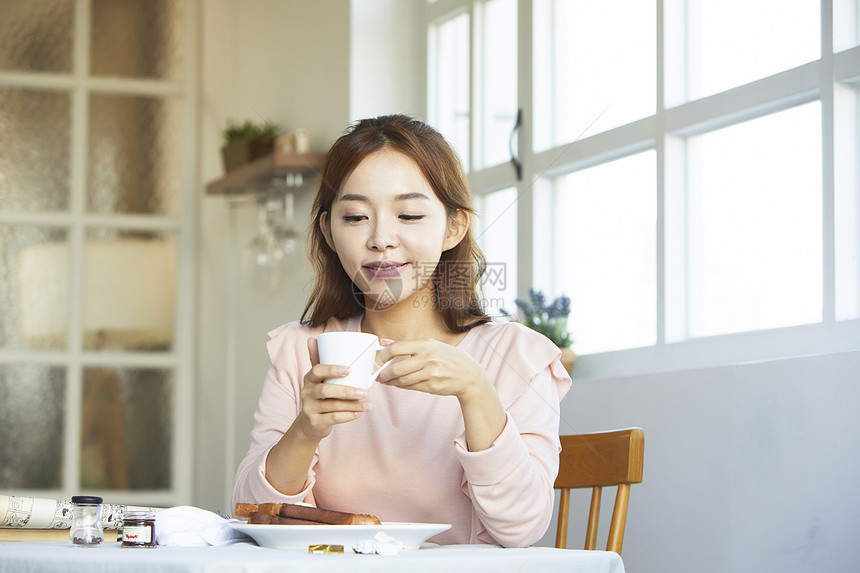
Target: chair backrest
613 458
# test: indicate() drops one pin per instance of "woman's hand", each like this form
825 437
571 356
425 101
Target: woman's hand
324 404
434 367
431 366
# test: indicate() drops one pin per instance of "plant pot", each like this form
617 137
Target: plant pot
236 154
261 147
243 151
568 359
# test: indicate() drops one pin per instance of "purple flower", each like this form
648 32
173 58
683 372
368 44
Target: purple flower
551 321
564 301
538 299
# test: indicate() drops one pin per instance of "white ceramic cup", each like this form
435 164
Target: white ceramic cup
357 350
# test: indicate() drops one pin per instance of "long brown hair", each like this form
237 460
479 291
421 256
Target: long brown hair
455 279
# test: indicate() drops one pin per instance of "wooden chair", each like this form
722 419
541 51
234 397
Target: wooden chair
612 458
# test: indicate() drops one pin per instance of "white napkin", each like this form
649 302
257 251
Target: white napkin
190 526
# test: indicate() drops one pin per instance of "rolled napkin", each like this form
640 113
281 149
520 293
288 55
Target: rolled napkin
192 526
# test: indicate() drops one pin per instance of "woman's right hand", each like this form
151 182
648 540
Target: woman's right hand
325 404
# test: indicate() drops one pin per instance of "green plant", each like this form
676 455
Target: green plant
550 320
249 130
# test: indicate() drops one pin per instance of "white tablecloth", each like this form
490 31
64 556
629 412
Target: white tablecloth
53 556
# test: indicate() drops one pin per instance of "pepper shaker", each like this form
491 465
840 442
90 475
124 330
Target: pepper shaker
86 528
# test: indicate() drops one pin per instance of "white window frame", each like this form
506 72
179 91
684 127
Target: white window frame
665 131
76 221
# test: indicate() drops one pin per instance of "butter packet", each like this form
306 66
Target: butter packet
325 549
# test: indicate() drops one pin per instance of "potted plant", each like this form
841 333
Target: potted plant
246 142
550 320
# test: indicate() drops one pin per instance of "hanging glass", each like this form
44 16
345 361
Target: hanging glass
269 255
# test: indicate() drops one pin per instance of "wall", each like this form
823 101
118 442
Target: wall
748 467
386 51
281 60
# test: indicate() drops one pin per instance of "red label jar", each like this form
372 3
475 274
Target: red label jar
138 529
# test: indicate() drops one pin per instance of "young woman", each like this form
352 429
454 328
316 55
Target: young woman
462 427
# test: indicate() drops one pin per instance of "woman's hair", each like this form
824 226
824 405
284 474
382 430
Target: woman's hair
455 279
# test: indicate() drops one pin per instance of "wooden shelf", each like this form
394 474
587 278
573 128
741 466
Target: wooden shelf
268 173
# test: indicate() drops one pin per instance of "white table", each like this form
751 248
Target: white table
52 556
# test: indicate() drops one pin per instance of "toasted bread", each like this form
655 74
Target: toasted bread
304 514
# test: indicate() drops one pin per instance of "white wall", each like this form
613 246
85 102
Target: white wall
386 52
748 467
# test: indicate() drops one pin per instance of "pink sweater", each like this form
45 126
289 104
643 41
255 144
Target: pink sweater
406 459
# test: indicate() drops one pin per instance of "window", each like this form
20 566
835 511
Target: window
846 24
586 79
95 223
688 177
497 87
605 224
847 200
496 231
724 50
449 77
754 219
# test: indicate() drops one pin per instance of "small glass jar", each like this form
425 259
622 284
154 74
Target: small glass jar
138 529
86 530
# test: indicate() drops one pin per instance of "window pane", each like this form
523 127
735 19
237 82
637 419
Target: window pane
449 83
36 35
605 243
846 24
137 38
496 229
499 80
726 50
34 287
35 131
129 291
127 429
133 155
32 399
755 224
594 67
847 201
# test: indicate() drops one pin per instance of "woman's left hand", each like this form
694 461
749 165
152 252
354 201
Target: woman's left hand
431 366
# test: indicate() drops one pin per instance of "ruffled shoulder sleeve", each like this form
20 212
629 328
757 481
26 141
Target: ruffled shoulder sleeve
288 344
513 355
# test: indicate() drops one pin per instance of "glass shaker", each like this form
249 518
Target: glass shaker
87 521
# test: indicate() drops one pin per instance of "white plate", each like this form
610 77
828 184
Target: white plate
411 535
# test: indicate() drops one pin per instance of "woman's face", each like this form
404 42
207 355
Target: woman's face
389 228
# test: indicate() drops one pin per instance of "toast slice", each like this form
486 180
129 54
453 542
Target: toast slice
293 514
246 509
328 516
262 518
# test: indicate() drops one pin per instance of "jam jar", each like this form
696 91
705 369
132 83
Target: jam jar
138 529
